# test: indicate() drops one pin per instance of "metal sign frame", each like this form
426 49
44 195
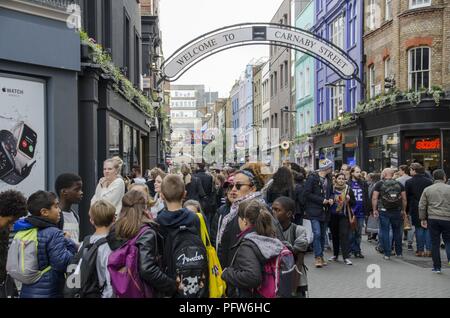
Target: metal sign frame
170 75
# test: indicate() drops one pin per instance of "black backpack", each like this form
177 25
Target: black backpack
391 194
82 279
187 261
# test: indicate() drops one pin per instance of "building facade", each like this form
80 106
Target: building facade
304 97
280 88
265 116
340 22
407 56
255 150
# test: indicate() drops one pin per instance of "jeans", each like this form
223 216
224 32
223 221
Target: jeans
410 235
319 231
355 236
423 239
391 219
340 229
438 228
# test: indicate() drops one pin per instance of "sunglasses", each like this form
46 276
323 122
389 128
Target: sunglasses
239 186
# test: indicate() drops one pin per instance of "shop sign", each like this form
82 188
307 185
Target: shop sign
337 138
429 144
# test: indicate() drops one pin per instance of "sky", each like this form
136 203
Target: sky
183 20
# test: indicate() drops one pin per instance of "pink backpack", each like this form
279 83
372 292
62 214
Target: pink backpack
277 273
123 267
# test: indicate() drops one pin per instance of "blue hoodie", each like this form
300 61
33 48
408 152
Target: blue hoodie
53 250
173 220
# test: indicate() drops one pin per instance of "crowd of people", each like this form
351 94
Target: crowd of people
214 233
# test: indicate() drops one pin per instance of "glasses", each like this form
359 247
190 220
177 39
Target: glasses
239 185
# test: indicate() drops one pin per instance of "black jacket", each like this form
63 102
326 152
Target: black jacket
209 204
217 221
230 238
245 274
367 203
314 196
151 187
195 190
150 246
299 198
414 188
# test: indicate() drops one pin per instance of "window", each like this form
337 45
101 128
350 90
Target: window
321 107
337 32
300 85
137 54
337 99
275 83
352 24
286 73
91 22
388 67
419 3
285 17
353 95
107 25
388 14
271 85
126 43
371 19
371 81
281 76
419 68
307 82
114 137
127 148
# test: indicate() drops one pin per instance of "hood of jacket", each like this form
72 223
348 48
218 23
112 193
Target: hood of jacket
176 219
31 222
268 246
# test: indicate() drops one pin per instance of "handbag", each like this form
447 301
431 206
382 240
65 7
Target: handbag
217 285
407 223
373 225
351 218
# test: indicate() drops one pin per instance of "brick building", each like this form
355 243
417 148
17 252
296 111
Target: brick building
407 64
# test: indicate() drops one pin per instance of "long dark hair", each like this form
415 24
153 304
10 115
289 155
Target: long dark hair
283 181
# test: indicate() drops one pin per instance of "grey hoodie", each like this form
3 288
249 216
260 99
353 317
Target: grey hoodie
269 247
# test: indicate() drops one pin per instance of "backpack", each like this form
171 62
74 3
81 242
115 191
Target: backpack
82 271
22 263
186 260
278 276
390 194
123 267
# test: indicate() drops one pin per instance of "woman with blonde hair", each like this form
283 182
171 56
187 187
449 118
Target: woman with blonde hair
157 205
111 187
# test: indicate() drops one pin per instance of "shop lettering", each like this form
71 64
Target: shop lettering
196 51
429 144
295 38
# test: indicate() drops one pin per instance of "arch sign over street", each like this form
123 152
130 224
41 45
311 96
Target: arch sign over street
254 34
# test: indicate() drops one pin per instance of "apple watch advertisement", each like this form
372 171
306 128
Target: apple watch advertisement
22 134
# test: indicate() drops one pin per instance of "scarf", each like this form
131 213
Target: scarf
340 198
233 212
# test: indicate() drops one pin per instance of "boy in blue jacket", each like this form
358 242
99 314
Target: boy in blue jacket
54 249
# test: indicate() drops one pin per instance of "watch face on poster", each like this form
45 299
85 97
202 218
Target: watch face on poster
27 141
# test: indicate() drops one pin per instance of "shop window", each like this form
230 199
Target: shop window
383 152
425 150
446 152
114 137
127 149
136 158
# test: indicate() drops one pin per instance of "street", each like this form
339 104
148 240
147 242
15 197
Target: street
407 278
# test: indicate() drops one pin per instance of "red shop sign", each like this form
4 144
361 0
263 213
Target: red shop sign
429 144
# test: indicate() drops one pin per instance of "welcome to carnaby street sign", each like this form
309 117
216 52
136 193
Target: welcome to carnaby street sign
259 33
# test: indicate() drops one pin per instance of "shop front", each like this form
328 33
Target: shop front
407 134
304 154
341 147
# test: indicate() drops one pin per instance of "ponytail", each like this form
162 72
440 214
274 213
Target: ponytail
258 216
